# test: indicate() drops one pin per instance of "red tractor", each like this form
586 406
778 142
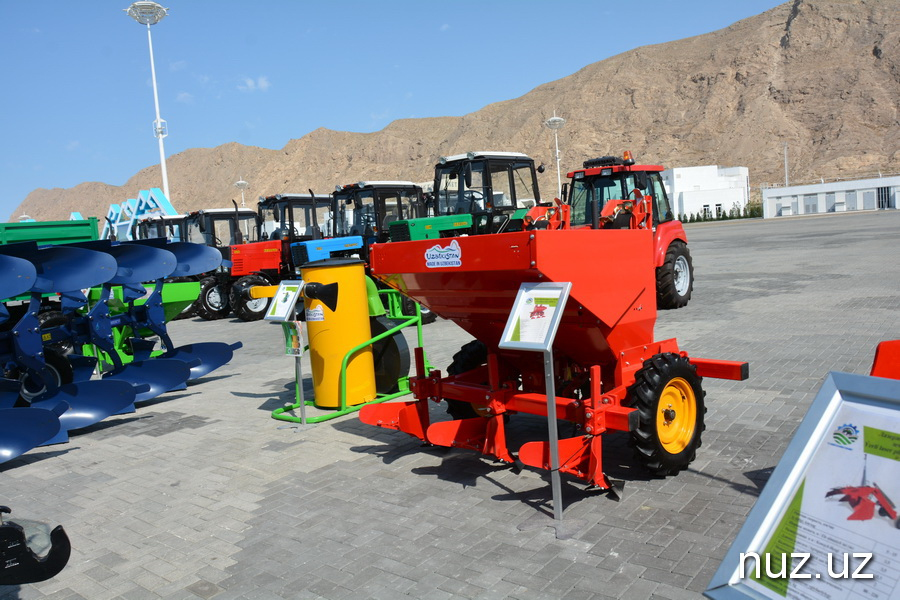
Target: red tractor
284 220
608 191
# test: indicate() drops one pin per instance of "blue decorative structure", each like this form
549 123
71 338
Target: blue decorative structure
124 216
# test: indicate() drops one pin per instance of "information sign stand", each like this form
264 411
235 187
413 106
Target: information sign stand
531 327
284 310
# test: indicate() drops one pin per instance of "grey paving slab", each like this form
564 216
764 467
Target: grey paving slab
201 494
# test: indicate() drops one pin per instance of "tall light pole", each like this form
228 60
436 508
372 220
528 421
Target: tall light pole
150 13
555 123
241 185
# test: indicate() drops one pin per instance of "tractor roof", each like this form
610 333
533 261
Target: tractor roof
225 211
158 217
377 184
483 154
607 165
295 198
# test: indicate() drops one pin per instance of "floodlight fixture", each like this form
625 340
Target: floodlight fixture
555 123
241 185
150 13
146 12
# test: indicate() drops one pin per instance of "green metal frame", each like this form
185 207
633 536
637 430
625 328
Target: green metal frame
176 296
394 303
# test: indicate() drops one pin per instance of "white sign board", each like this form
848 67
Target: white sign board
284 301
826 526
535 316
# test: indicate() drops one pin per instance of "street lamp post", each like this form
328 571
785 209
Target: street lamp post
555 123
241 185
150 13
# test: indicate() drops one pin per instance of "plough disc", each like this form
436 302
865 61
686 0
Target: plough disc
211 356
160 374
139 263
18 276
89 402
66 268
194 259
22 429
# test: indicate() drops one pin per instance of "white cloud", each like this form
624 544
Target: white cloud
445 27
179 65
185 98
73 145
249 84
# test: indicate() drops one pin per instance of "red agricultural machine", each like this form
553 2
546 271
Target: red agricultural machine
610 372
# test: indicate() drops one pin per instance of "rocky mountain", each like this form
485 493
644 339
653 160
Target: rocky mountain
820 75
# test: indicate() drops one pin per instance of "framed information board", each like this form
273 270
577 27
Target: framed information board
284 301
826 526
535 316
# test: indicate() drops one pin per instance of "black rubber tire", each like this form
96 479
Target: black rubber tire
427 316
32 388
470 356
245 309
662 375
675 278
391 356
213 302
409 308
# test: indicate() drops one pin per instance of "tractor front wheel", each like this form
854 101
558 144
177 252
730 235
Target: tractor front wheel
668 395
675 278
212 304
246 308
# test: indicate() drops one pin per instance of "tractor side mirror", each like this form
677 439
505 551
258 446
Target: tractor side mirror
640 180
467 173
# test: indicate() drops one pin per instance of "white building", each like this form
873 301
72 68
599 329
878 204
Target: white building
709 190
838 196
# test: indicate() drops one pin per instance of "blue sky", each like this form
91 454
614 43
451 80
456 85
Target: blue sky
78 100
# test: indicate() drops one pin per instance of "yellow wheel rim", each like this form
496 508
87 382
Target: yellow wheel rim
676 416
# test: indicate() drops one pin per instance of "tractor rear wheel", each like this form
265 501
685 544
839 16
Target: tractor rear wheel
675 278
212 303
471 356
248 309
668 395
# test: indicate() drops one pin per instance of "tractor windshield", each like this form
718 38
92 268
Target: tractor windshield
470 187
460 188
296 218
599 190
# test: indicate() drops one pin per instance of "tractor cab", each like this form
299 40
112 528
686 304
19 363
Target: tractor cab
159 226
368 208
222 227
609 187
475 193
293 217
495 188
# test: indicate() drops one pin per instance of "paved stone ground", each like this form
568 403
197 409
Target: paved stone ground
200 494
